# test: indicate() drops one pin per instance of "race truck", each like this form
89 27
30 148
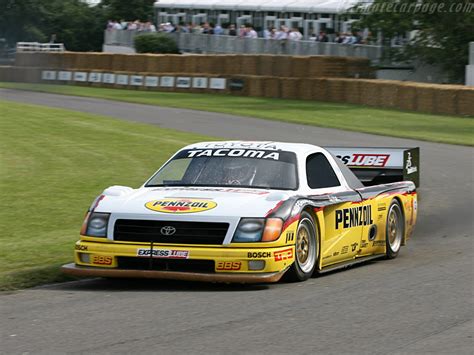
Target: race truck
253 212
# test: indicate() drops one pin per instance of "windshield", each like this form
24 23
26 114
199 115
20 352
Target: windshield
229 167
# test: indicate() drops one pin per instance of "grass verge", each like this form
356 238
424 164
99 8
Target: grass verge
436 128
53 163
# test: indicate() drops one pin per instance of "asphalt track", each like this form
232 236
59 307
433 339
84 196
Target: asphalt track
421 302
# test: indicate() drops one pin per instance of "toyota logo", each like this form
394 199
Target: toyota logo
168 230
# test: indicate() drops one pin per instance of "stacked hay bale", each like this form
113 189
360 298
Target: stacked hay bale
465 105
425 98
406 97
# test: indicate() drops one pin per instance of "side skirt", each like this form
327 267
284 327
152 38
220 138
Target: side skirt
350 263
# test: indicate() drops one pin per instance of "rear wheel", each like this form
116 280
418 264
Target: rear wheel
394 229
306 250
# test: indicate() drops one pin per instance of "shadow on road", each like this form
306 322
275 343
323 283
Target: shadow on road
152 285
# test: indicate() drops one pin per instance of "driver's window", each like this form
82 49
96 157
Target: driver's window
319 172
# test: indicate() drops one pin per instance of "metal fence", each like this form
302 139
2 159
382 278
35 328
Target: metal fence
39 47
198 43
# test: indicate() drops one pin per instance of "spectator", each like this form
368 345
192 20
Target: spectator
242 31
232 30
339 37
218 30
322 37
282 34
295 35
117 25
250 32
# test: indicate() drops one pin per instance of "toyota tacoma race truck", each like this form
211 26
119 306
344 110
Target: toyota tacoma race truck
253 212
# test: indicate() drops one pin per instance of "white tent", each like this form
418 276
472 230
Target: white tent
307 6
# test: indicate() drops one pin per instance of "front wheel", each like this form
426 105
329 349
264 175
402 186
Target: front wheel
394 229
306 250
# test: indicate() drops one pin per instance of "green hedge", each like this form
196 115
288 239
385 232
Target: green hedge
155 43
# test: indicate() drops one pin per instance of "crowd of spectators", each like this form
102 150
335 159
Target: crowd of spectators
283 33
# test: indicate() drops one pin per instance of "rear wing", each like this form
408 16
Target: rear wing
374 166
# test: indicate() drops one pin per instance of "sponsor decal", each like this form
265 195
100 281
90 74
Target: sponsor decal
200 82
354 246
344 249
364 244
381 207
236 84
183 82
228 265
225 152
336 253
65 75
246 145
217 83
102 260
81 247
283 254
378 243
409 167
354 216
163 253
358 159
290 236
171 205
258 255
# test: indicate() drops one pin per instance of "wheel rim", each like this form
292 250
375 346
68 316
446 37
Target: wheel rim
394 227
305 246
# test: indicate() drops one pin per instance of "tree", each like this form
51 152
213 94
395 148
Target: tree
73 22
128 9
443 30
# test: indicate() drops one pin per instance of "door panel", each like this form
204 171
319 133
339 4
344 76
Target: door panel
344 224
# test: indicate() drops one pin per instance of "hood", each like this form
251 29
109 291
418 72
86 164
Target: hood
187 201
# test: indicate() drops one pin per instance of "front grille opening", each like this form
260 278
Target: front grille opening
185 232
135 263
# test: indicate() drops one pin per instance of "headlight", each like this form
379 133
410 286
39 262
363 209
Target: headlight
95 224
258 229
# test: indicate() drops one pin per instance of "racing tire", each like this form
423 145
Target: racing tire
306 250
394 229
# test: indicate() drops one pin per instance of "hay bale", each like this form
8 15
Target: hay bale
232 64
305 89
289 88
69 60
266 64
106 61
256 85
119 62
359 68
22 59
217 65
189 64
446 100
249 64
465 104
299 65
320 91
202 64
271 87
336 90
352 91
369 93
388 94
406 97
282 66
425 98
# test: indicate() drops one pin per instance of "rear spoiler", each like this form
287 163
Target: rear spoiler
374 166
